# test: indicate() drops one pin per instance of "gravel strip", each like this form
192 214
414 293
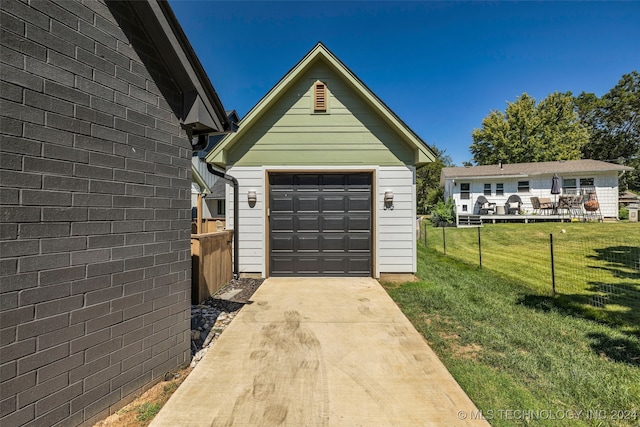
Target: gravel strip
210 318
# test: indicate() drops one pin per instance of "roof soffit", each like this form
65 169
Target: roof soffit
182 63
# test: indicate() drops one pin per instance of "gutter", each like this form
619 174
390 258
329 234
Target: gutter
472 177
234 181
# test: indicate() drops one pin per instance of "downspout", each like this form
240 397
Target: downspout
618 204
234 181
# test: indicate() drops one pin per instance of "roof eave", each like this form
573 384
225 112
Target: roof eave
204 188
486 176
203 112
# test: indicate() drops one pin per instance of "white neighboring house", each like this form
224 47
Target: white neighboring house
212 187
497 182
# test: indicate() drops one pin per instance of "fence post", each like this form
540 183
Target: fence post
553 272
425 236
479 247
444 241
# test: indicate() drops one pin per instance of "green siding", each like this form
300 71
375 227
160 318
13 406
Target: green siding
289 134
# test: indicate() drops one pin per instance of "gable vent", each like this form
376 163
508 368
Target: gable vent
319 97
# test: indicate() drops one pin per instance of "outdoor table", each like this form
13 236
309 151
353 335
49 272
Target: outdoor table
500 210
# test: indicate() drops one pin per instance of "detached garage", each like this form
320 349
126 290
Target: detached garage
326 178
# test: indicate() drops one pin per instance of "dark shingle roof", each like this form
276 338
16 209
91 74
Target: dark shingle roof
528 169
218 190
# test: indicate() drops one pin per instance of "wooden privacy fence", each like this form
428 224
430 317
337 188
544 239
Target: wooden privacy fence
211 263
208 225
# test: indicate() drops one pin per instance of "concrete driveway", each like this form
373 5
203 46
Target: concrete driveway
319 352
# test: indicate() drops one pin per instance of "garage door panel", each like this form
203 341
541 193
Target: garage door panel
359 203
307 182
308 265
334 203
308 243
282 203
334 181
307 224
336 224
334 243
281 182
320 224
361 223
307 204
359 243
282 223
282 243
335 265
359 182
359 265
282 265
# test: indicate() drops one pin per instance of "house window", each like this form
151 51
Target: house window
221 206
523 186
487 189
319 97
499 189
586 182
465 190
464 208
569 185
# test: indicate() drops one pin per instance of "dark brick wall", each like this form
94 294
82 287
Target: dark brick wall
95 190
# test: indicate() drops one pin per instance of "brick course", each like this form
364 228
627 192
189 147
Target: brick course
94 170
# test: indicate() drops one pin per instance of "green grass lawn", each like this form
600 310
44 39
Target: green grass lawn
513 347
597 265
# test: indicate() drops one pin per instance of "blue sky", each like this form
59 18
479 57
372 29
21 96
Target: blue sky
440 66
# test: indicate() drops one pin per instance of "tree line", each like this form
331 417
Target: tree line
560 127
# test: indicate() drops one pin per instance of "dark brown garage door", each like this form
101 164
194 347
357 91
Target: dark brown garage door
320 224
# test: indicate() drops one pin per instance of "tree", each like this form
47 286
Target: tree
614 123
530 132
428 191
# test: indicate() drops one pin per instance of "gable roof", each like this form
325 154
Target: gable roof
530 169
203 112
423 153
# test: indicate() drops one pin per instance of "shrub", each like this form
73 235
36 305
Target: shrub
443 213
623 212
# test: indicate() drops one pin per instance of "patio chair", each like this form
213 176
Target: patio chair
546 205
575 206
535 203
484 206
513 205
564 204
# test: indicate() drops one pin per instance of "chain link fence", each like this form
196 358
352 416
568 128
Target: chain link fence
588 269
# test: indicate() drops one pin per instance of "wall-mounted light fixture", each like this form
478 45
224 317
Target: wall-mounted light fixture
252 197
454 182
388 199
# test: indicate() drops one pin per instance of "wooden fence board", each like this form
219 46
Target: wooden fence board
211 260
209 225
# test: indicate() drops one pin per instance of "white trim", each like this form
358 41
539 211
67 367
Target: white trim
376 272
393 231
415 219
317 168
